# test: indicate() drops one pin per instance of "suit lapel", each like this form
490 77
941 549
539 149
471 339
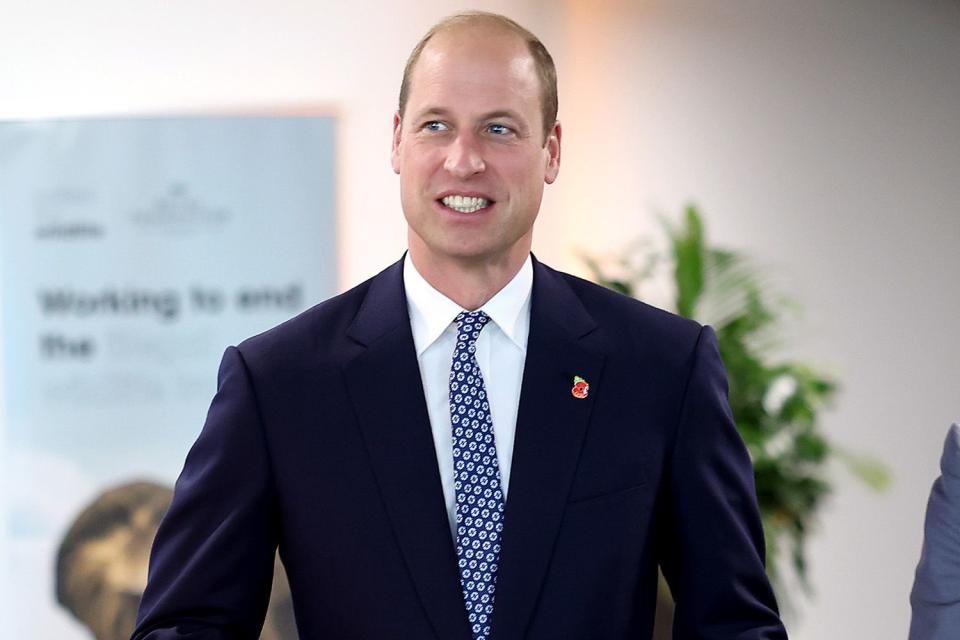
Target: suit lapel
551 424
387 394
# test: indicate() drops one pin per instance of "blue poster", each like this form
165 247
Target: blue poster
134 251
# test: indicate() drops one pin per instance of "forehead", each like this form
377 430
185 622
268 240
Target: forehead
475 65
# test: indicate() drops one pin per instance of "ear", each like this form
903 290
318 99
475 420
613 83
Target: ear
552 147
395 150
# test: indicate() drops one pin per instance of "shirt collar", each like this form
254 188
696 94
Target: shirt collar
431 312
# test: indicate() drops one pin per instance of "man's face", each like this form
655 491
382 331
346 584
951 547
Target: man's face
469 149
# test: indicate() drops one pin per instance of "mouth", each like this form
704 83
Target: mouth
465 204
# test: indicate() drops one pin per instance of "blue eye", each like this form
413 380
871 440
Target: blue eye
498 129
435 125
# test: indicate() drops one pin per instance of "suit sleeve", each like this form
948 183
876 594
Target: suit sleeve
935 597
212 559
713 551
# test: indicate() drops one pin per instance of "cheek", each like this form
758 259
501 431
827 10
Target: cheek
418 163
530 169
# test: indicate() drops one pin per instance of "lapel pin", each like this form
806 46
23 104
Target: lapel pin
580 388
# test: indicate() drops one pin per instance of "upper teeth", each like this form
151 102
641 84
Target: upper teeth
465 204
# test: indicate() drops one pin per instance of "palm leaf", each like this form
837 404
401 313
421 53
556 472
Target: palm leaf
777 404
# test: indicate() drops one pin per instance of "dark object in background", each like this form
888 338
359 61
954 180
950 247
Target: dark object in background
101 567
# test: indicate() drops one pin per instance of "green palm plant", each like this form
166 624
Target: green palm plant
776 403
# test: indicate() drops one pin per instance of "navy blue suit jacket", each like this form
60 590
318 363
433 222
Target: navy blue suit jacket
318 441
935 597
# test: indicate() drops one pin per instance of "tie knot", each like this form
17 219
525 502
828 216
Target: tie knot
469 325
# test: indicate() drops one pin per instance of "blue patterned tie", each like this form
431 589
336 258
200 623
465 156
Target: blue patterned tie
477 477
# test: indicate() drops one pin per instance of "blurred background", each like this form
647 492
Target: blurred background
821 138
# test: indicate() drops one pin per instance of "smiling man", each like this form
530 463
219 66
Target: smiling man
473 152
469 445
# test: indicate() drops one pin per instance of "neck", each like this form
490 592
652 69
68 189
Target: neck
469 284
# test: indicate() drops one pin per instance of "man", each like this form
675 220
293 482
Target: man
577 438
935 597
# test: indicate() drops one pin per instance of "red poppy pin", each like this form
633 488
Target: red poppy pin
580 388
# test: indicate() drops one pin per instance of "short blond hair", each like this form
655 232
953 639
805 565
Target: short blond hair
546 70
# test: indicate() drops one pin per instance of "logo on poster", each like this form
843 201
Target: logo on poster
177 211
66 213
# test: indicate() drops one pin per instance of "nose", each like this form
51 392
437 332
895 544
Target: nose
463 156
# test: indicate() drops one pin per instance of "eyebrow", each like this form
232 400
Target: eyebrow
442 112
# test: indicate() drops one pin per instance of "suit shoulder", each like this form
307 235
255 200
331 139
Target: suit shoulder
315 330
618 311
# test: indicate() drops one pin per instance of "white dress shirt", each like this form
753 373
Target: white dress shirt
501 352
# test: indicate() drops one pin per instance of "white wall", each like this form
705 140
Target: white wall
823 137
